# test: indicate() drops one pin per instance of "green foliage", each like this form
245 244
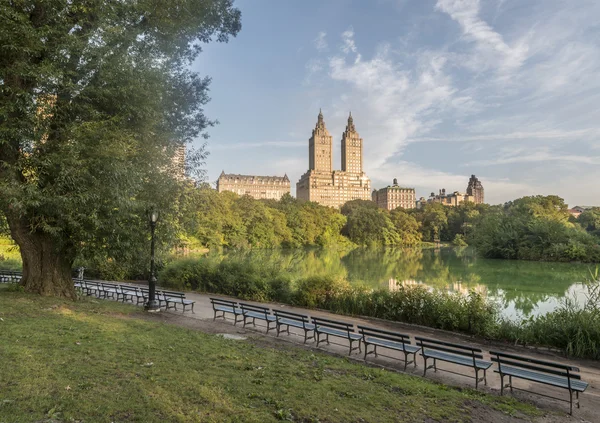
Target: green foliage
572 327
459 241
228 220
533 228
590 221
249 279
96 97
369 225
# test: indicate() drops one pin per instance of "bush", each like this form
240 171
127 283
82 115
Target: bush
573 329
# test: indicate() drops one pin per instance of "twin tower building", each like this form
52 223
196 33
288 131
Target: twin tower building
321 183
329 187
334 188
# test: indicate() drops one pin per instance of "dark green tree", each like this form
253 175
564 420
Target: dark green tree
95 98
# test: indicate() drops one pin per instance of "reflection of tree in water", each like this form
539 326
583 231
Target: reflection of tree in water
522 283
375 266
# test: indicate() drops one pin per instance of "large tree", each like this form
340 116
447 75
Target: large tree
95 98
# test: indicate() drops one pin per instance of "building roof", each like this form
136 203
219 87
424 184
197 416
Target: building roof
283 178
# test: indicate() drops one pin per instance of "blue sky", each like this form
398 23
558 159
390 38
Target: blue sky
508 90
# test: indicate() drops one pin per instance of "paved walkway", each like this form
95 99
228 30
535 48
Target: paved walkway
590 370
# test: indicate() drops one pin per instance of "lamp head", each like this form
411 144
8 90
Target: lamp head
153 215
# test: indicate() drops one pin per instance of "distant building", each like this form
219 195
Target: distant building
474 194
475 190
577 210
331 187
394 196
259 187
179 162
451 199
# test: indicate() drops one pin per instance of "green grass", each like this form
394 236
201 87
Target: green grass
10 257
93 361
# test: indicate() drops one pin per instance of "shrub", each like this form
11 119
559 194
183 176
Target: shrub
573 329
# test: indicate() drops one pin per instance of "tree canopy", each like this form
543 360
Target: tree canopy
95 99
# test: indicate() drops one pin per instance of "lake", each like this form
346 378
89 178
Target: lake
522 288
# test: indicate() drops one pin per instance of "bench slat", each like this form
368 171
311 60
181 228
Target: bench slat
562 382
457 359
391 344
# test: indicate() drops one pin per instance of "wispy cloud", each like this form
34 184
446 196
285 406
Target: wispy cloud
250 145
512 136
320 42
524 75
348 40
490 43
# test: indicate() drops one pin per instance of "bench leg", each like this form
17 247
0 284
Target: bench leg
485 377
510 383
577 396
476 378
570 402
435 365
501 384
278 328
327 339
424 365
366 348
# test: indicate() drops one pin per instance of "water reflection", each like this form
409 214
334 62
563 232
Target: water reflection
522 288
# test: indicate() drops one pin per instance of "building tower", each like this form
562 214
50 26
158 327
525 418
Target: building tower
475 189
320 148
351 149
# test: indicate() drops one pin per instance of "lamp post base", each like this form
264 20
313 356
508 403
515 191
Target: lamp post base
152 307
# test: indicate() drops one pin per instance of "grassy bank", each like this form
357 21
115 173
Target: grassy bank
570 328
93 361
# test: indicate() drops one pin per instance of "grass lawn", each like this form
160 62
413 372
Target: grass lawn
93 361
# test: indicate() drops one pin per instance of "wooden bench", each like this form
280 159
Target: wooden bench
128 293
10 276
173 298
91 288
110 289
251 311
336 328
462 355
287 319
390 340
545 372
225 307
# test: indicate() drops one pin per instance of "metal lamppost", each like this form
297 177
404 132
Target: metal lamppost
152 305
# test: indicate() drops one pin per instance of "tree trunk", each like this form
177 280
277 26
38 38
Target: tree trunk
46 264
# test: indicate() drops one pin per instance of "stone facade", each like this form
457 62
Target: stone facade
331 187
451 199
259 187
394 196
474 194
475 189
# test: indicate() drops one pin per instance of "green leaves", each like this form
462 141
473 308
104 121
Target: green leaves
95 99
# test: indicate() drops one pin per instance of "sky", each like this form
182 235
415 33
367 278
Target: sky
508 90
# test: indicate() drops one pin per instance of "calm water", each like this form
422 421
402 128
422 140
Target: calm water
521 288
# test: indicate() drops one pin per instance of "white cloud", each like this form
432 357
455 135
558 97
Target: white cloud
490 43
511 136
320 42
530 78
265 144
348 39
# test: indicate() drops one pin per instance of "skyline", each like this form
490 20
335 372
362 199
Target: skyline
439 90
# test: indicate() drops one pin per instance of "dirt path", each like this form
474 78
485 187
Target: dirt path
556 411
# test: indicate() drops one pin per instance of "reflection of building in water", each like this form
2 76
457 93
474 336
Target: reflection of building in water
395 285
